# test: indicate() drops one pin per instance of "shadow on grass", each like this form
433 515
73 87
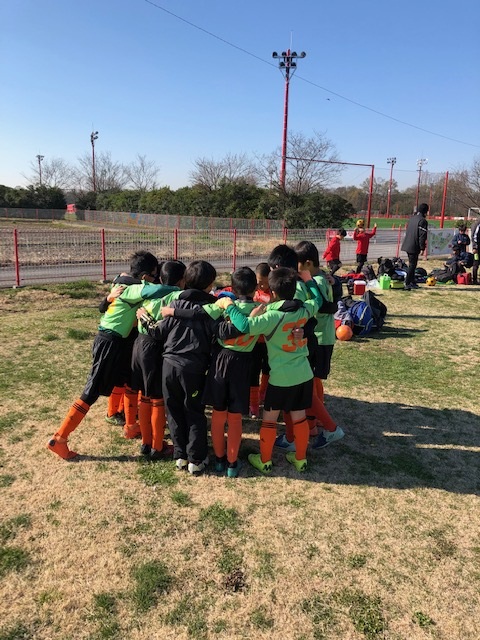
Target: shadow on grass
391 445
458 316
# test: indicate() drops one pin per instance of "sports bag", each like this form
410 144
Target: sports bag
379 310
362 318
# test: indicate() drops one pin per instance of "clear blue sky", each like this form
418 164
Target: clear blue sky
153 84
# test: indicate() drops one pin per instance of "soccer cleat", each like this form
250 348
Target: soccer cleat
197 469
407 287
165 453
145 449
61 449
282 443
233 469
255 460
328 437
220 464
131 432
181 464
118 420
300 465
414 285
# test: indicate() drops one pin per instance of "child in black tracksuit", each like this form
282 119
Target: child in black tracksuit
187 344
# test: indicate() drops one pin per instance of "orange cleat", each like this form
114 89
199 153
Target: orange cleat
61 449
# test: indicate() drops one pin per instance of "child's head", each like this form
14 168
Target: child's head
172 273
143 265
307 254
262 270
341 233
462 228
200 275
283 256
244 282
283 283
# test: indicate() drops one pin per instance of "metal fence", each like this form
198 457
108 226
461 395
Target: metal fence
29 256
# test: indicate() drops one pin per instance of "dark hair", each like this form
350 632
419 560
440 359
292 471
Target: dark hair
306 250
423 209
199 275
171 272
283 281
283 256
244 281
143 263
341 232
262 269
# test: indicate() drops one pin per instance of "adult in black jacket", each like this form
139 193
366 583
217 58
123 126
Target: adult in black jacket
415 242
476 249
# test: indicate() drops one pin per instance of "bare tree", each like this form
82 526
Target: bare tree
109 175
142 174
56 172
211 174
308 164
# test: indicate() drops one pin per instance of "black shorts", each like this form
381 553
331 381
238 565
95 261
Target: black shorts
361 258
293 398
259 363
228 381
109 366
320 360
147 366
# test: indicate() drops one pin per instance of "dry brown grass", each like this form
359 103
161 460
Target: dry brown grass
380 539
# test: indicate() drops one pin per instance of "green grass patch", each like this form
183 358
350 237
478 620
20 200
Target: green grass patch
9 528
13 559
6 480
320 613
10 420
365 612
78 334
105 617
152 579
260 619
158 473
189 613
181 499
229 561
50 337
422 620
220 518
83 289
16 632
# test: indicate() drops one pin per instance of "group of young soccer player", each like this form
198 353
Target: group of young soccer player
169 344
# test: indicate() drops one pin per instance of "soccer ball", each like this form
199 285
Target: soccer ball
344 332
430 281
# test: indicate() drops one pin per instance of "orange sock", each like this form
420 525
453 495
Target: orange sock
254 396
217 429
159 421
268 433
234 437
145 419
114 401
121 404
288 426
77 412
263 385
318 389
318 408
300 430
130 405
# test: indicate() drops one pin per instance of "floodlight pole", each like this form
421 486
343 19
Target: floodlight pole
444 200
420 164
40 158
287 65
391 162
93 137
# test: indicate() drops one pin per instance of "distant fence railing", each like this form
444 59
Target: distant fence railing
29 256
147 220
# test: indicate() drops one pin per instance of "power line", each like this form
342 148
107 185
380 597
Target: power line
314 84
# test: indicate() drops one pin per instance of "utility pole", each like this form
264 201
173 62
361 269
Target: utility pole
420 164
93 137
287 65
40 158
391 162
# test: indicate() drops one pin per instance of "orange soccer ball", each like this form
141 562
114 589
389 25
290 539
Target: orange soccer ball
344 332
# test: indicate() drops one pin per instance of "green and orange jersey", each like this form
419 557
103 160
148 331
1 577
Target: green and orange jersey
325 328
288 359
243 342
120 316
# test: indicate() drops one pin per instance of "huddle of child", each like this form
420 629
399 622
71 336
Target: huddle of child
194 349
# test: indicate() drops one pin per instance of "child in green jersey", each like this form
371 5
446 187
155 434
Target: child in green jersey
321 355
109 352
291 379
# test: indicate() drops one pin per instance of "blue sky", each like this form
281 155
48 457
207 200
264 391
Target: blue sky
153 84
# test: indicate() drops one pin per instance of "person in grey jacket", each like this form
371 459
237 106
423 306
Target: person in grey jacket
415 242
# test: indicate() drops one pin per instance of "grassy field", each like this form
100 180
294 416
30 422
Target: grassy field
380 539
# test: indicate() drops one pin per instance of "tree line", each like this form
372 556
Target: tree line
236 186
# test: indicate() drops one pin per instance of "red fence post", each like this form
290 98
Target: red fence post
17 261
175 244
104 256
398 240
234 257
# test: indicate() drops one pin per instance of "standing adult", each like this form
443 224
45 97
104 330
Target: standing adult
415 242
476 249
